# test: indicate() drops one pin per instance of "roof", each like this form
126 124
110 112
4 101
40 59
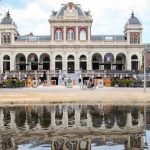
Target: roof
133 19
107 37
77 8
7 19
33 38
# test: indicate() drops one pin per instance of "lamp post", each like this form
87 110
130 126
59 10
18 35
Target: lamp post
144 71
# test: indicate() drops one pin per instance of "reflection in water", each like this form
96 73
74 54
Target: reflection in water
72 127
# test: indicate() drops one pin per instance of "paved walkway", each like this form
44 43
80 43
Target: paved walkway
60 94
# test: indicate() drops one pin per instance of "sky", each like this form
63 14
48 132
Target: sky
109 16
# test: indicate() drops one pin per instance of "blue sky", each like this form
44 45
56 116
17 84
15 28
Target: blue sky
109 16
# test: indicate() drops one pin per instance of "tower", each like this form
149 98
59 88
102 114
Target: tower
133 30
8 30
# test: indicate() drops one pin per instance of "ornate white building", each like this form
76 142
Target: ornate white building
70 47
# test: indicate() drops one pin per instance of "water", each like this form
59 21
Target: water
74 127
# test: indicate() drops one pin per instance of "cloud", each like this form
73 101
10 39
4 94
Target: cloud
109 16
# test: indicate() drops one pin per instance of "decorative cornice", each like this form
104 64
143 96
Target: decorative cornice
72 46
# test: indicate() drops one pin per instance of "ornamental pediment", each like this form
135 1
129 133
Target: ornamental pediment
70 12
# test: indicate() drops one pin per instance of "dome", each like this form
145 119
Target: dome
133 19
7 19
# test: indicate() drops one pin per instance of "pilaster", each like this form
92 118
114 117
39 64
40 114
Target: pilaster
129 120
52 61
89 61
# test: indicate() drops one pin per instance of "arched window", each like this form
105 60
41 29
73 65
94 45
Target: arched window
58 34
6 57
70 35
70 57
58 62
82 35
58 57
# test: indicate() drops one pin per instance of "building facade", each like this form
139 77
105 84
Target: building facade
70 47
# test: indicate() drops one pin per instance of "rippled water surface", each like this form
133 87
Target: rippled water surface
74 127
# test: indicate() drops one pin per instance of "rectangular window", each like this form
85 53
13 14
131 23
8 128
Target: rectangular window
6 38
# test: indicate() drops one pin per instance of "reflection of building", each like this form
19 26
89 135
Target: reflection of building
54 124
70 47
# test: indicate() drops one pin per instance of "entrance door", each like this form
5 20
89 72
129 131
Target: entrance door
58 65
134 65
83 66
70 67
6 66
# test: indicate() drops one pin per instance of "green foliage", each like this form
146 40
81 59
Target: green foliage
13 83
122 82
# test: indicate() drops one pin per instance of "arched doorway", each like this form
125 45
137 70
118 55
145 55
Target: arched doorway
108 60
120 61
70 64
134 63
45 61
33 61
83 62
58 62
20 62
96 61
6 63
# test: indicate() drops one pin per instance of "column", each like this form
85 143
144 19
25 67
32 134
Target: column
77 116
52 62
140 119
12 120
89 120
77 33
52 32
19 75
78 144
89 61
89 144
26 123
38 126
103 124
26 126
53 123
128 144
65 116
76 62
48 77
1 118
89 33
35 75
64 37
12 61
13 143
52 145
27 66
115 124
64 61
128 61
129 120
142 141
